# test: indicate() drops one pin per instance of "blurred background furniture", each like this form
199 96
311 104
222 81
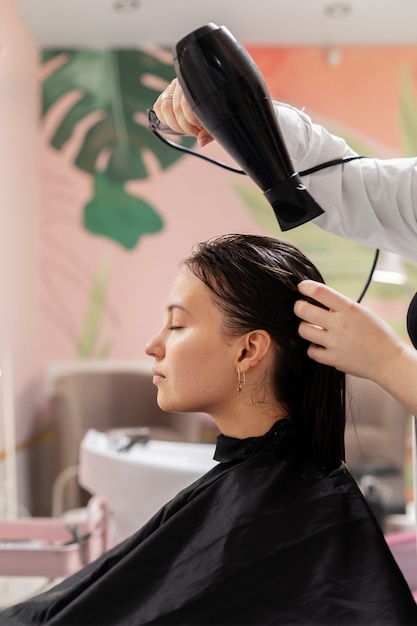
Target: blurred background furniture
137 480
110 395
38 552
403 546
54 547
105 399
376 443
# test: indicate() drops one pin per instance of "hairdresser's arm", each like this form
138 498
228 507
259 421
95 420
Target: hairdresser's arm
372 201
354 340
368 200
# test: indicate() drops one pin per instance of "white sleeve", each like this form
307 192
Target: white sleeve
372 201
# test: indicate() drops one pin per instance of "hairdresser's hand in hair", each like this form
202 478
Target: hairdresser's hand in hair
352 339
173 109
345 335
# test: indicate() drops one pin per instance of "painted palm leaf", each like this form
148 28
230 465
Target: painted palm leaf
113 82
117 85
408 113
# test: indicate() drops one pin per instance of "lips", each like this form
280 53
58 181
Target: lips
157 377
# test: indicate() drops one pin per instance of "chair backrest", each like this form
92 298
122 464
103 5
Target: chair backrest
376 430
104 400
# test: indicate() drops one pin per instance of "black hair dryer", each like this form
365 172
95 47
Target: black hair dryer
228 95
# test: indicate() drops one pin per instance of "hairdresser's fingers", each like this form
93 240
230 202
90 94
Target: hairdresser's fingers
203 136
364 348
164 108
320 354
172 109
186 118
188 122
324 294
320 348
186 112
312 313
348 337
326 348
314 334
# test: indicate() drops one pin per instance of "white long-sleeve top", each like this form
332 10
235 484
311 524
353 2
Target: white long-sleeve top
372 201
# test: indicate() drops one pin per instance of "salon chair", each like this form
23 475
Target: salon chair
376 443
106 400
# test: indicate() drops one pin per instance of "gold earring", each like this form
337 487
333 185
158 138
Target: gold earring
241 380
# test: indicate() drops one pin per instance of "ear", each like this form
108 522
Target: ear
254 346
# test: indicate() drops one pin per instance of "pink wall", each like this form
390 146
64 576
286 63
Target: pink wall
19 231
362 94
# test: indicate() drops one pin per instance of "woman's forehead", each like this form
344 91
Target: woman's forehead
188 291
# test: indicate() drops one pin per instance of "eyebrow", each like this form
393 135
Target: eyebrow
174 305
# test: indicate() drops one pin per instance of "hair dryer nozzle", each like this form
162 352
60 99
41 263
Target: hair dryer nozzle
292 204
228 94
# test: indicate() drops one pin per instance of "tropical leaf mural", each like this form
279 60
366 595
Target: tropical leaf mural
133 215
116 84
110 91
408 112
408 132
88 345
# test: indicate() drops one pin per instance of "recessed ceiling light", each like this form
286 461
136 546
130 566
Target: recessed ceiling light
338 9
333 57
126 6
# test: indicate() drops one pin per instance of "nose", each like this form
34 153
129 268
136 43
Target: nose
154 347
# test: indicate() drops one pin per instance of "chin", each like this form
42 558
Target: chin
177 407
169 406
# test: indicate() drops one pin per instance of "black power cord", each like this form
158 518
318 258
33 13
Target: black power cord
156 126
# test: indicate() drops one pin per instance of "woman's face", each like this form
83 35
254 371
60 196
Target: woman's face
194 360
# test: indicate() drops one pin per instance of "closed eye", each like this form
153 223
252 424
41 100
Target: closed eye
175 327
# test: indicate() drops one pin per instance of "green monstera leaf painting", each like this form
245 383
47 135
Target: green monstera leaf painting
408 111
114 83
118 86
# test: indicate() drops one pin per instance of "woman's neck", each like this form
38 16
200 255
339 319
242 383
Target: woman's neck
253 421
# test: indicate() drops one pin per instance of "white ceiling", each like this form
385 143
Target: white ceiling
96 23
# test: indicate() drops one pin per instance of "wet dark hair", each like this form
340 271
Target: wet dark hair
254 282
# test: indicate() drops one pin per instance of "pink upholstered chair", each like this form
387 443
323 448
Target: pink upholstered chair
375 439
104 400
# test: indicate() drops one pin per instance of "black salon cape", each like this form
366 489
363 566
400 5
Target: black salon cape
266 537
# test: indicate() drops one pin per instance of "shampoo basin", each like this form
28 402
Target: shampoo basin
137 480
